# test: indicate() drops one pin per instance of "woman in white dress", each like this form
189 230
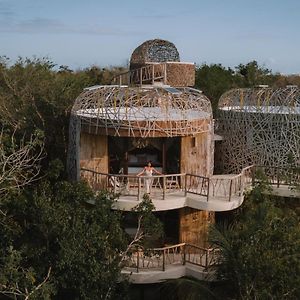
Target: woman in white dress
148 171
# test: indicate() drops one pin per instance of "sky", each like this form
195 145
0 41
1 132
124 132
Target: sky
82 33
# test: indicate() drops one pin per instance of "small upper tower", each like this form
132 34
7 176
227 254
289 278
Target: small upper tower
157 62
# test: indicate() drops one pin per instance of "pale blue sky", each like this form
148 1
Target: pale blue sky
82 33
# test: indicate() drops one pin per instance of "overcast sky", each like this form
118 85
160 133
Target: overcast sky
80 33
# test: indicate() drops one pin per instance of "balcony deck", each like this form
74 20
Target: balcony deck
216 193
180 199
173 191
175 261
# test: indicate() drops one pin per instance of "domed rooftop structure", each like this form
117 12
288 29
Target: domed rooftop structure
154 51
260 126
142 112
265 100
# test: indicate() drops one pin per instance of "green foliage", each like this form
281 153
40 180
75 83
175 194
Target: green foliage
251 74
150 226
260 251
214 80
35 96
54 227
16 281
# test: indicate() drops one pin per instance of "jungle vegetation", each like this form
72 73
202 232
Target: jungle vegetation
53 245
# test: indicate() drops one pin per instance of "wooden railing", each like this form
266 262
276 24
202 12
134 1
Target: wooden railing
133 185
278 176
219 186
161 258
223 187
148 74
196 184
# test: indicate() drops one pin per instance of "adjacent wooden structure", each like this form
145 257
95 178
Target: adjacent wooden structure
259 126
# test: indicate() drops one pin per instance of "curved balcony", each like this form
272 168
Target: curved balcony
158 264
173 191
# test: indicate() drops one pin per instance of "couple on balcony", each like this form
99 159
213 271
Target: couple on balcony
148 171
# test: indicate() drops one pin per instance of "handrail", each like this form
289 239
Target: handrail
280 176
160 258
222 187
133 176
150 72
134 185
209 187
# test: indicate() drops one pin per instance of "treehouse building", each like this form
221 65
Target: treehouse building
151 113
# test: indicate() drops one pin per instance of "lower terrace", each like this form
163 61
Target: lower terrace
157 264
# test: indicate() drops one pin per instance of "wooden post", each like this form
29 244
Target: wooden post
165 73
153 74
206 260
138 261
141 76
253 175
164 188
164 260
230 189
139 188
164 156
277 175
184 254
115 186
208 189
185 185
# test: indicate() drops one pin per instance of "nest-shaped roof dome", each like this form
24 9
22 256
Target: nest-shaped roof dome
264 100
156 50
142 112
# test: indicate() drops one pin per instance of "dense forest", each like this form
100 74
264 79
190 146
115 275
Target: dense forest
54 245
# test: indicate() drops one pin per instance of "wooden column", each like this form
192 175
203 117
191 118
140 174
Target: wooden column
195 154
94 152
193 226
164 156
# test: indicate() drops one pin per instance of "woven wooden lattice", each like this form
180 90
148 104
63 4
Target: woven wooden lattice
136 112
260 126
142 112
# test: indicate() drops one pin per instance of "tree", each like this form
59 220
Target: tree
260 251
251 74
17 282
52 227
19 164
214 80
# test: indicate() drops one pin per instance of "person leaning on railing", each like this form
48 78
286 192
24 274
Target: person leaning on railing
148 171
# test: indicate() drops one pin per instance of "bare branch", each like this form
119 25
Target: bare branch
21 166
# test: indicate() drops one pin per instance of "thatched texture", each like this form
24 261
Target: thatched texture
180 74
153 51
260 126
